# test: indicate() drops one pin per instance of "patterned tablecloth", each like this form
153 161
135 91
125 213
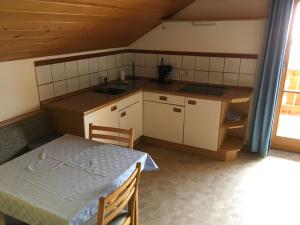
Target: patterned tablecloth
60 182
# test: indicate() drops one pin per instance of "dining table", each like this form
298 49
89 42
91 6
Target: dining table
61 182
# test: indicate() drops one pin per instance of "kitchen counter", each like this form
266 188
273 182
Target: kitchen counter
89 101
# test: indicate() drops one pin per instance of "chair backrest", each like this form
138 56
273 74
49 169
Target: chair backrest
115 134
111 206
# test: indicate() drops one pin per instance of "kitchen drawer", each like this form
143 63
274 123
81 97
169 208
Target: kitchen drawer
138 97
164 98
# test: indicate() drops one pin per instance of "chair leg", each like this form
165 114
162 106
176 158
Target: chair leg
136 208
2 221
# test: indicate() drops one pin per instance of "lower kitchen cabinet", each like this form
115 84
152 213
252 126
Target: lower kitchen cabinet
163 121
127 113
107 116
132 117
202 123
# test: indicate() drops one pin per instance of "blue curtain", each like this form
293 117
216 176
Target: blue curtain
270 74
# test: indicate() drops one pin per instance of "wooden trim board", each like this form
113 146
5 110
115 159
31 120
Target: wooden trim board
86 56
208 54
19 118
219 155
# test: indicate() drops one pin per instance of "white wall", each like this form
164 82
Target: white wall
18 87
223 37
224 9
18 92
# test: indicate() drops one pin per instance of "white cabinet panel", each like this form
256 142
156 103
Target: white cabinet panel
163 121
164 98
130 100
202 122
108 117
132 117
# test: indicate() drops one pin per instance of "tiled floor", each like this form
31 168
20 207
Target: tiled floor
190 190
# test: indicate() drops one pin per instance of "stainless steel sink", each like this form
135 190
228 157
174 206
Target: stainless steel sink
202 89
110 90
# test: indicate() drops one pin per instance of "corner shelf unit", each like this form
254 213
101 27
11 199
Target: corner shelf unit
235 124
231 142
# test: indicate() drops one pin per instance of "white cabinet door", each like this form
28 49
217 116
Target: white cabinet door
107 116
202 122
163 121
132 117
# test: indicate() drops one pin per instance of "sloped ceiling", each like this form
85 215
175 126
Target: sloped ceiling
224 10
34 28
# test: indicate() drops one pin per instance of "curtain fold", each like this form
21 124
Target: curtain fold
270 75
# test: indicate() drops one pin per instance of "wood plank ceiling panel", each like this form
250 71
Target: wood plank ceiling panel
34 28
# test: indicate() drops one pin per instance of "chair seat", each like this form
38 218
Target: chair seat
119 220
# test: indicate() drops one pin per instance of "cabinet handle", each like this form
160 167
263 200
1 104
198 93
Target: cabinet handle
123 114
114 108
163 98
191 102
177 110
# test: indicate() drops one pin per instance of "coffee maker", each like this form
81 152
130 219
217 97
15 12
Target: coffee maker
164 72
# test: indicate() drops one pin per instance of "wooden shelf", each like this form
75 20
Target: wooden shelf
235 124
232 144
240 100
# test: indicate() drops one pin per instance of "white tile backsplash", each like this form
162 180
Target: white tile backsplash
201 76
188 75
61 78
112 74
58 71
128 70
125 59
232 65
151 72
102 63
176 61
231 79
60 88
71 69
84 81
151 60
73 84
202 63
248 66
111 61
175 74
216 64
166 59
93 65
103 74
188 62
95 79
46 91
130 57
140 59
215 78
83 66
140 71
246 80
119 60
43 74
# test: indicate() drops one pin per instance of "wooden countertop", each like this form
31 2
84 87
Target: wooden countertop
231 94
89 101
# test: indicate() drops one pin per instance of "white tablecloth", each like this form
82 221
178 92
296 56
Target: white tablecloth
60 182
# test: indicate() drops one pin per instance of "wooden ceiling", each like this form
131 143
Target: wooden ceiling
34 28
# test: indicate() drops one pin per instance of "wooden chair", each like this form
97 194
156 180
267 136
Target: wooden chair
111 208
122 132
